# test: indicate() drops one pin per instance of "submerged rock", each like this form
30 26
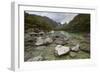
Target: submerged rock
61 50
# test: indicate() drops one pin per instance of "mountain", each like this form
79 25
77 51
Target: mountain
38 22
80 23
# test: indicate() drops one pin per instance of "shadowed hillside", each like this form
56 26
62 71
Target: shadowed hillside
80 23
37 23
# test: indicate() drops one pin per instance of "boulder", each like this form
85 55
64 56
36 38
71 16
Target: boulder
75 48
61 50
58 41
39 41
48 40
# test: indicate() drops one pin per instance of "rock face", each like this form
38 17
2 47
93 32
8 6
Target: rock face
75 48
61 50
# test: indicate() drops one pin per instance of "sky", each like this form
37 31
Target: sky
56 16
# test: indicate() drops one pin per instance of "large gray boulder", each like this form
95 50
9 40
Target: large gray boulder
61 50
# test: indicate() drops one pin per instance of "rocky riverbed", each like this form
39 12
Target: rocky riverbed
56 45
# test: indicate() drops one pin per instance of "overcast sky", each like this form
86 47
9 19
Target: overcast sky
58 17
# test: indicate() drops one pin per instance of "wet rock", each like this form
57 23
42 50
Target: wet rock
39 41
76 48
61 50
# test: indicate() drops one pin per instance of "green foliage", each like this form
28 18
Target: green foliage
38 22
81 23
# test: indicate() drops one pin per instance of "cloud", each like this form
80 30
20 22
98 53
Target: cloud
56 16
